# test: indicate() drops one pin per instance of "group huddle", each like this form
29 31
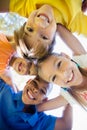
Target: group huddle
30 52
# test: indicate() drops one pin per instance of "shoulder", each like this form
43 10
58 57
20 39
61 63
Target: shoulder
5 89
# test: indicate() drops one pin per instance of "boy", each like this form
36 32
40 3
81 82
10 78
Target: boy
18 110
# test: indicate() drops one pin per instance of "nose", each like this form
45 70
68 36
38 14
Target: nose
35 90
62 74
41 23
65 76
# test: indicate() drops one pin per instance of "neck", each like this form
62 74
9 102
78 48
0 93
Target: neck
28 109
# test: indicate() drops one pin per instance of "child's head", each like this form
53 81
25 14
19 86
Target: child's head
61 70
35 91
22 66
38 33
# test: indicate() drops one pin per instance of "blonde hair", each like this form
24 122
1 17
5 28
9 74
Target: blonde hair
74 91
40 50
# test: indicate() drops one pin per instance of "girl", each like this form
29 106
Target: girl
63 71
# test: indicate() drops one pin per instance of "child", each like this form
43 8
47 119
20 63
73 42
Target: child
66 12
19 111
8 57
63 71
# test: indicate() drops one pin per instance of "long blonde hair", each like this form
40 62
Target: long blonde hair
74 91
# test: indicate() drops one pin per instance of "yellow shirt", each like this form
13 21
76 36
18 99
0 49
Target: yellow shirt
67 12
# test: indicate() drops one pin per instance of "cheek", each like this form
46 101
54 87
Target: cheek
40 98
25 68
59 82
52 31
44 73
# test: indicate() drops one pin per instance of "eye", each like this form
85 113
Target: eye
34 83
59 64
43 92
30 29
53 78
44 37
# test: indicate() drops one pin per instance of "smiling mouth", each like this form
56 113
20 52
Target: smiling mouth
44 17
71 77
30 96
20 67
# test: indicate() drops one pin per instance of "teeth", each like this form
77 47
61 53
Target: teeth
43 17
70 78
30 95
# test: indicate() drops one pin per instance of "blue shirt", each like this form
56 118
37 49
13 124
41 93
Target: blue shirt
12 116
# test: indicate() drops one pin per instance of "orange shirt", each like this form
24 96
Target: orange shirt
6 52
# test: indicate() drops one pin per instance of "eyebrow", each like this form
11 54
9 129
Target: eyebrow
45 89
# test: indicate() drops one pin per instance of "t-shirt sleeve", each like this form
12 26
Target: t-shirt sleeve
6 52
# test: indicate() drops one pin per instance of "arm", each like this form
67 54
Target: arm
52 104
65 122
72 42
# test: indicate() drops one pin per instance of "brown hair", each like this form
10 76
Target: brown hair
40 50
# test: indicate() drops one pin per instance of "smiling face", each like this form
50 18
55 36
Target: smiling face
22 66
60 70
35 91
40 28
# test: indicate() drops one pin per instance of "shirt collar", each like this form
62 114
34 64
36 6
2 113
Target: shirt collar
27 117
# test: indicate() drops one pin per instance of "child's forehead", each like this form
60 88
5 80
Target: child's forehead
52 58
40 83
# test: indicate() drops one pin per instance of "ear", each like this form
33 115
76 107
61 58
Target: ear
65 55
